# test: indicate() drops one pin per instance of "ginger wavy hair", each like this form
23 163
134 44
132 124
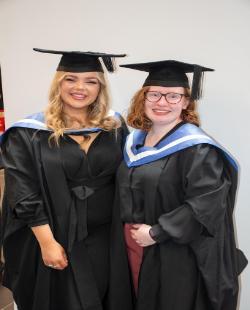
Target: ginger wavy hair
137 118
55 118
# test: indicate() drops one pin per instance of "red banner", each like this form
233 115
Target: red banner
2 121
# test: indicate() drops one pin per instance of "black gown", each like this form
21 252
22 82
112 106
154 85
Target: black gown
188 198
73 192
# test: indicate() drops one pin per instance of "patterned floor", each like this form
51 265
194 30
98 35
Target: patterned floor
6 301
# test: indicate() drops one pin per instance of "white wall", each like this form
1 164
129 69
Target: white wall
212 33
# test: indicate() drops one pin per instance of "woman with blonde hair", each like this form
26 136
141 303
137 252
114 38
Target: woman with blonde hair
176 190
59 174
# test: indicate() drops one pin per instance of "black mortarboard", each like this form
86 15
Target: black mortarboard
76 61
172 73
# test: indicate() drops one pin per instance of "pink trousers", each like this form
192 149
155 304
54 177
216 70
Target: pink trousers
135 254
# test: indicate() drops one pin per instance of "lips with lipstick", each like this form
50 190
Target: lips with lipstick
78 96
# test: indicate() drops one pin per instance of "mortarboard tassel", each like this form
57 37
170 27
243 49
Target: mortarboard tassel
198 76
109 63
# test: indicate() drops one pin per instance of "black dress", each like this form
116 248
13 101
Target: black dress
73 192
188 198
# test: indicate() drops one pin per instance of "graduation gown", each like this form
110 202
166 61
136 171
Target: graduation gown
73 192
185 188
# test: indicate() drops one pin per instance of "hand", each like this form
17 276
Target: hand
53 255
141 235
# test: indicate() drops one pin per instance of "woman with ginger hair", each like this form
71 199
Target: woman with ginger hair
176 191
59 173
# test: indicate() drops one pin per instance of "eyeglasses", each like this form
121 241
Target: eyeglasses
155 96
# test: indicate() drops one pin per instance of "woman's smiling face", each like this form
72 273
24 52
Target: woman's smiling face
79 90
162 112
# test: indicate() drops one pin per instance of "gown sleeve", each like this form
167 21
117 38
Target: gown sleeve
22 190
206 186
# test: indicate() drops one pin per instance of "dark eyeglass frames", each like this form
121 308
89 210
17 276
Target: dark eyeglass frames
172 98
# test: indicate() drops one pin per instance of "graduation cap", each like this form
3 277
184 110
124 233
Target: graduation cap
172 73
75 61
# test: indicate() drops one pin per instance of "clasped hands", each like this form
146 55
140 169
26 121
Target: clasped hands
140 233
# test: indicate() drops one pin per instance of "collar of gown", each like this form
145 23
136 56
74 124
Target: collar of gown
37 121
183 137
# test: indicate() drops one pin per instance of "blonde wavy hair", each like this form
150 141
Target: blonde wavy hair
137 118
56 119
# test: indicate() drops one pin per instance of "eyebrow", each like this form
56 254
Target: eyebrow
87 77
91 78
69 75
